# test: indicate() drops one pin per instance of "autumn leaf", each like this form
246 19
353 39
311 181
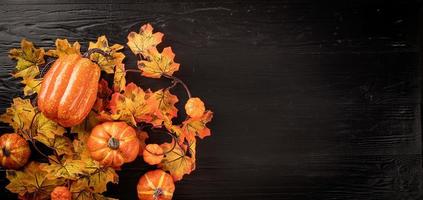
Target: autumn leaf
119 80
130 106
197 127
140 42
158 63
32 86
27 56
99 179
68 169
163 104
60 144
106 63
46 127
32 180
19 115
176 161
63 47
103 96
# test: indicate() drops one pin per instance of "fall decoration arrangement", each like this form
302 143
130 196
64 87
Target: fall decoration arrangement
86 130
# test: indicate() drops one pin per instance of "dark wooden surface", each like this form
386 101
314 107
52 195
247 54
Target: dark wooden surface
312 99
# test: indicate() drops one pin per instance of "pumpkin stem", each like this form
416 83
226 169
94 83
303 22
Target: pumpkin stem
6 152
113 143
157 193
96 50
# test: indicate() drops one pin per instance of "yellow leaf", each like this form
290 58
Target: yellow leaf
197 126
32 181
158 63
140 42
46 127
19 116
63 47
27 56
68 169
106 63
119 80
32 86
130 106
163 104
176 161
99 179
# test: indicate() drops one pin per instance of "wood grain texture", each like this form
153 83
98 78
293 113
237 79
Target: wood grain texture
312 99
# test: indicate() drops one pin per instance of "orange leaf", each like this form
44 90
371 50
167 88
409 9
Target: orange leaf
130 106
119 80
140 42
163 104
176 161
103 95
158 63
197 127
195 107
153 154
107 63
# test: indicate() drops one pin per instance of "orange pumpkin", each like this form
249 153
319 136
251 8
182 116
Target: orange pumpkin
153 154
155 185
61 193
14 151
69 90
113 143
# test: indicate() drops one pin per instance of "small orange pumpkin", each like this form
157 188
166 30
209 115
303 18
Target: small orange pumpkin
153 154
113 143
155 185
69 90
14 151
61 193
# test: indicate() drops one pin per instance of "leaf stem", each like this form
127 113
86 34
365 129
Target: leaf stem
96 50
177 80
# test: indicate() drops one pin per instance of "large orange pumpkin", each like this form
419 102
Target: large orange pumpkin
113 143
14 151
155 185
69 90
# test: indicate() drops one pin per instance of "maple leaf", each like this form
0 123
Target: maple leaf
130 106
106 63
119 80
140 42
32 86
163 104
176 161
67 168
60 144
103 96
32 180
27 56
197 126
99 179
63 47
158 63
19 115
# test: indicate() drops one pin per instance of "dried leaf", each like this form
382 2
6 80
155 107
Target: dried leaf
33 180
63 47
27 56
68 169
32 86
19 115
197 127
130 106
119 80
140 42
106 63
158 63
176 161
163 104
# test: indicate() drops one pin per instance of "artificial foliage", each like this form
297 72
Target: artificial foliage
86 128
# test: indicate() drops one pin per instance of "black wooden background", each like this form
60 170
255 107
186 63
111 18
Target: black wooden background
312 99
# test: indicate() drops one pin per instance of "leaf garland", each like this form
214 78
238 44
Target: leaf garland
70 163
